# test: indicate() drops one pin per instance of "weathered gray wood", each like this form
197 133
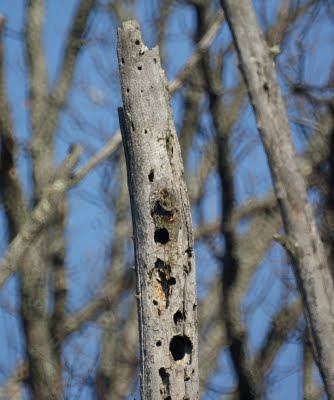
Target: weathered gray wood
165 266
303 241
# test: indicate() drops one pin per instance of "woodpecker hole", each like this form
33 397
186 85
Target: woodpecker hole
151 174
164 375
161 235
159 264
122 60
158 343
161 209
137 42
171 281
178 317
155 302
180 346
139 67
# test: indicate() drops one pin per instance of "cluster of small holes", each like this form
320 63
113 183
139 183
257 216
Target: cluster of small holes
164 375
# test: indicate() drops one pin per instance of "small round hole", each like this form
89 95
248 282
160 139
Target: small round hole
163 373
151 175
161 235
172 280
139 67
155 60
155 302
159 264
178 317
122 60
159 343
137 42
127 90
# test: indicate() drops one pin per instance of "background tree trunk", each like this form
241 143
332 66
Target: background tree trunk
303 241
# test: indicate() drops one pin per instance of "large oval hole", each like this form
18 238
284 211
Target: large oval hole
180 346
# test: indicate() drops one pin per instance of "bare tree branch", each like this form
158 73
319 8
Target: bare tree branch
44 211
10 186
39 218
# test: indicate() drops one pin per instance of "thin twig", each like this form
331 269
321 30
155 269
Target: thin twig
203 45
105 152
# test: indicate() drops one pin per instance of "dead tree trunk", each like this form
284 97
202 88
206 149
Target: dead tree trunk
303 240
165 267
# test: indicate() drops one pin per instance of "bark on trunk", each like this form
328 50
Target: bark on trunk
303 241
165 267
